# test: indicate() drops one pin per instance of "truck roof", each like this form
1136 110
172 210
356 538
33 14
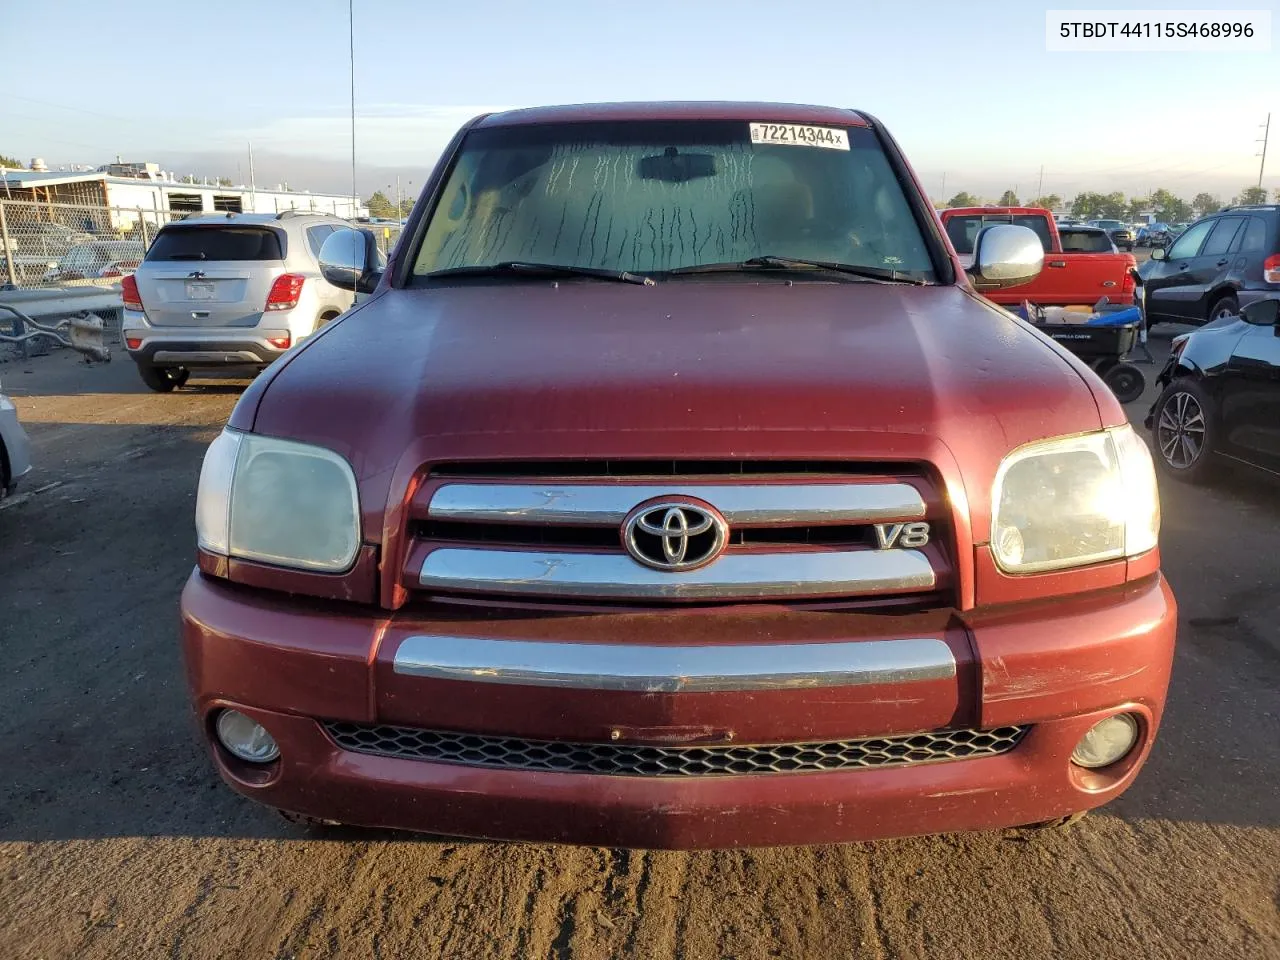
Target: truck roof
1015 211
677 110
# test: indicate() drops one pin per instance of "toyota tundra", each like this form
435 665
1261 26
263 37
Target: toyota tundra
673 485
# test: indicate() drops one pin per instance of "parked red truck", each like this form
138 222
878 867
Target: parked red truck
1067 278
675 487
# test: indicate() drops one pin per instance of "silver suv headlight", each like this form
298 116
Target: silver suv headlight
1073 501
279 502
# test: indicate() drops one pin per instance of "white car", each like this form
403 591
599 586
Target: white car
15 452
228 291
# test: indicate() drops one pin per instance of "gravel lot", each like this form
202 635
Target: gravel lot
117 840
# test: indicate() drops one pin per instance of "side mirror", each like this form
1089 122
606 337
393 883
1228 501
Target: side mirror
1005 256
1263 313
350 259
1159 253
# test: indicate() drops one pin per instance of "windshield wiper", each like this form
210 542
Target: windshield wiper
874 274
545 269
187 256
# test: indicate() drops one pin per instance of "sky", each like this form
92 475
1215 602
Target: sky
967 89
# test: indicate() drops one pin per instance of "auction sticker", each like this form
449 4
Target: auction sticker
796 135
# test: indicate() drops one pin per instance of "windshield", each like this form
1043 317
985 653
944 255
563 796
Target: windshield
653 196
1108 224
964 230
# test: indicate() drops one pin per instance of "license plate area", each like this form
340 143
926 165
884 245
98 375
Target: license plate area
200 290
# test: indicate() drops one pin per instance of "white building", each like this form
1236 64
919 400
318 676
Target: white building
125 192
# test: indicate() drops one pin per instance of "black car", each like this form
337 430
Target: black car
1221 398
1219 264
1120 232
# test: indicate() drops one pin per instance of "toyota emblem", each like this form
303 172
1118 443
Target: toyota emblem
674 534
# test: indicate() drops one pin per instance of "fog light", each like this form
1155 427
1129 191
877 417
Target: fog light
1107 741
133 343
246 738
281 343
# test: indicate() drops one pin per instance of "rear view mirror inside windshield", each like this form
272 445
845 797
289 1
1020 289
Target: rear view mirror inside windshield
671 166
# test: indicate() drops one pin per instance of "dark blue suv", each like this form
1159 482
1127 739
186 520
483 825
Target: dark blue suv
1219 264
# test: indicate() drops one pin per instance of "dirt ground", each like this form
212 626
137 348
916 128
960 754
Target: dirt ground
118 841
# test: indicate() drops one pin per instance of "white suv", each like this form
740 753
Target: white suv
229 291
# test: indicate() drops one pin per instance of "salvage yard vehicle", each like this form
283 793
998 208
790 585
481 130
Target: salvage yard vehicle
674 486
1221 263
1068 278
228 293
15 452
1121 233
99 259
1221 398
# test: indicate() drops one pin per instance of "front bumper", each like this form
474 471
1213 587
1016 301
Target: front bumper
1055 667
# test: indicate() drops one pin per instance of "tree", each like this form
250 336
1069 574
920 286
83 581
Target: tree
1253 195
1205 203
225 182
189 178
1114 207
1009 199
380 207
964 199
9 162
1086 205
1050 201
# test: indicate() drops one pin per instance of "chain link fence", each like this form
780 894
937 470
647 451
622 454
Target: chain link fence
62 244
43 244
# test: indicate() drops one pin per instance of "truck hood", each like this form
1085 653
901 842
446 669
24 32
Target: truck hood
697 369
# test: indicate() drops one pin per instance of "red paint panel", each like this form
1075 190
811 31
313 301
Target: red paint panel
995 587
259 648
677 110
1035 782
1054 659
358 585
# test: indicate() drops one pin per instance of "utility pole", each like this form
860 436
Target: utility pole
1266 134
253 184
943 198
351 41
1040 186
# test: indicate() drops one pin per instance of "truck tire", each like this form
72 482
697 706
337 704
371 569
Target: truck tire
1184 432
1126 382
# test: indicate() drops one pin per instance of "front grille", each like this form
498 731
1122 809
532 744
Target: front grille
614 759
794 532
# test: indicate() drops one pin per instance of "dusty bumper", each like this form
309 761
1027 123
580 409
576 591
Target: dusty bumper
1033 782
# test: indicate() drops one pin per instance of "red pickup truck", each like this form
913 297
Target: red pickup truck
675 487
1067 278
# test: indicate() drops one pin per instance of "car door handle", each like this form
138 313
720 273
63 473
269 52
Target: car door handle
1223 262
1057 263
1184 266
199 314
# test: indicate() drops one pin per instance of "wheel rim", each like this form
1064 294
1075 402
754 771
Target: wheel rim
1125 383
1224 311
1180 431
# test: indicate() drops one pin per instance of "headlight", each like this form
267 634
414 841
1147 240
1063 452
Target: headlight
1078 500
277 501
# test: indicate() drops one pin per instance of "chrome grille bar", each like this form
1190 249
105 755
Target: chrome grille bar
608 504
650 668
824 573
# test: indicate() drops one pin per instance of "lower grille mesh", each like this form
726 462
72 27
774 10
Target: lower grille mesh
513 753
